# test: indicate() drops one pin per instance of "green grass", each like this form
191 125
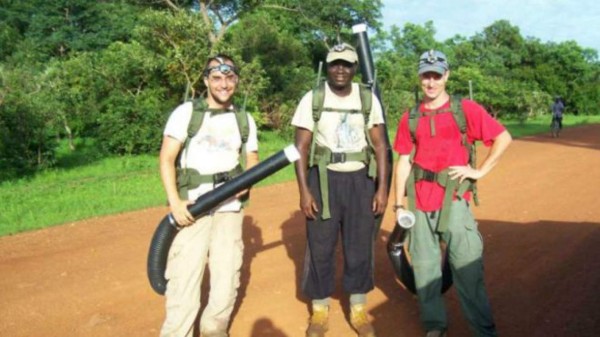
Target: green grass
87 184
542 124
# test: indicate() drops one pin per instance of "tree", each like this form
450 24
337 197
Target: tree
27 139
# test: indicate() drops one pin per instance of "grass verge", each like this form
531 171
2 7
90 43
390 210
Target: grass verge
86 185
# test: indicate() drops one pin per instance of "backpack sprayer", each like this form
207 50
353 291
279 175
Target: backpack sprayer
167 229
397 252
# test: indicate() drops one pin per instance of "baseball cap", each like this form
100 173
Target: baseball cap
433 60
342 51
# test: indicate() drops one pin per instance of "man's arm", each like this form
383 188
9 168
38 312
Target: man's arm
401 173
168 154
251 160
500 143
308 205
377 136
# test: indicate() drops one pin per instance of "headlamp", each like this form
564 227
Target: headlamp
432 58
221 67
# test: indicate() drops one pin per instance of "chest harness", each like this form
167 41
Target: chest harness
189 178
321 156
442 178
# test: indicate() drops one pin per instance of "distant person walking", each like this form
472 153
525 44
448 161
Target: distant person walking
558 107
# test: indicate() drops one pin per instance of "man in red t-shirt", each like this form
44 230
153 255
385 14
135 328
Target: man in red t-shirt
441 161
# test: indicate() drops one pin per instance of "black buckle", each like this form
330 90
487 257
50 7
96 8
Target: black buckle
338 157
429 176
221 177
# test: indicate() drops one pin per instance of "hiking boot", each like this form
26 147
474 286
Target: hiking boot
318 323
436 333
360 322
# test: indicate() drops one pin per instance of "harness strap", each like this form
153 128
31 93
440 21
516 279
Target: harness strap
188 179
323 157
443 179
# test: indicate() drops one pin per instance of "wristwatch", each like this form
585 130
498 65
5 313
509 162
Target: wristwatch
396 207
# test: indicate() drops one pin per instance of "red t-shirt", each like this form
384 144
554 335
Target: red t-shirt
435 153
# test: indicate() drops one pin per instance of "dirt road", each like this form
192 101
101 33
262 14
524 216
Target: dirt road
539 215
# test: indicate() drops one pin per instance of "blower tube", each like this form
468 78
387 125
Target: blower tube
167 229
395 246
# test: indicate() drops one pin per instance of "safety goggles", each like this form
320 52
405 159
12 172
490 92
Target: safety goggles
223 68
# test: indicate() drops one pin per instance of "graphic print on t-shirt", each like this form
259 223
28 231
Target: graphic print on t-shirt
219 138
347 135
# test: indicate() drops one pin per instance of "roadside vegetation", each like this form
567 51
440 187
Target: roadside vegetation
86 86
85 187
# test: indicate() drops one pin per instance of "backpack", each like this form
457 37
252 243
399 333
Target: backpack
189 178
418 173
321 156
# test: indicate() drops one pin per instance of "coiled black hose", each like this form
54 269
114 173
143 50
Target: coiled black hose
167 229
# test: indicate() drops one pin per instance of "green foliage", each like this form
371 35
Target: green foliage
57 28
283 60
179 41
85 185
112 71
26 138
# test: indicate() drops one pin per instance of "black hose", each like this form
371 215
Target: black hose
403 269
167 229
159 250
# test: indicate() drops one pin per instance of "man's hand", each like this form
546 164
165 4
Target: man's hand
464 172
380 201
308 205
181 214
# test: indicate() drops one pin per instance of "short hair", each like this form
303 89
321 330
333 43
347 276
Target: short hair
221 58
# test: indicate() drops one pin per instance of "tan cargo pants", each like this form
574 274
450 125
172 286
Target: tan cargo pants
215 239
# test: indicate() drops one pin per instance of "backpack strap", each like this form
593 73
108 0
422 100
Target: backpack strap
321 156
189 178
450 186
459 117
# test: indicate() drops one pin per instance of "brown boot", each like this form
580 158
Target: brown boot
318 323
360 322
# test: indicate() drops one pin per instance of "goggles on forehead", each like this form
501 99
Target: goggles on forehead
223 67
341 47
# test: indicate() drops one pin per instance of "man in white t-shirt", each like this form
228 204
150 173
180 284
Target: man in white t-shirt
212 153
340 143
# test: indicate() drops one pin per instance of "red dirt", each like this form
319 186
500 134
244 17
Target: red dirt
540 216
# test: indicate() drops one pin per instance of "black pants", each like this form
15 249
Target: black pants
350 202
558 120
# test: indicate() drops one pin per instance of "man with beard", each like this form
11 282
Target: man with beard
206 142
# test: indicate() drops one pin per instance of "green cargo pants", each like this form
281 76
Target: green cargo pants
465 248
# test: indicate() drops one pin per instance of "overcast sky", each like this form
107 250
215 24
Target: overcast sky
547 20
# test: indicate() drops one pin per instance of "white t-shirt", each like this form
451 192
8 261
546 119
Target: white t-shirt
215 148
339 131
